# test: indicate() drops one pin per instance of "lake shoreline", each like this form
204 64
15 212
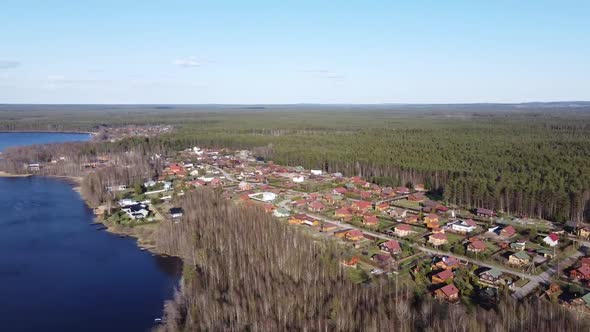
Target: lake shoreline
13 175
143 241
91 133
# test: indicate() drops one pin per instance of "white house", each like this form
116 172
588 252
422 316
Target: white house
126 202
462 227
136 211
149 184
552 239
298 179
316 172
264 196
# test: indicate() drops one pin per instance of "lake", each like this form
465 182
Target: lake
20 139
58 273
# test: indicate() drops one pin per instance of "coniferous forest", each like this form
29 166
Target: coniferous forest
525 159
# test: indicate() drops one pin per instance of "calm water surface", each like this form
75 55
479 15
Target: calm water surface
20 139
58 273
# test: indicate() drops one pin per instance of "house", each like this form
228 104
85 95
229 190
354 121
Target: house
519 258
362 205
176 212
316 172
354 235
433 225
443 276
298 179
431 218
584 232
116 188
244 186
383 260
281 213
264 196
398 213
466 226
343 213
383 206
176 169
582 273
402 190
316 206
417 197
403 230
508 231
551 239
339 191
518 245
136 211
149 184
419 187
476 246
484 213
297 219
370 220
391 246
585 261
447 262
330 199
438 239
366 194
328 227
491 277
448 293
342 233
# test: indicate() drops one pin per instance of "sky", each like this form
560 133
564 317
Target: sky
287 51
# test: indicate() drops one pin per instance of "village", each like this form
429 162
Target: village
403 233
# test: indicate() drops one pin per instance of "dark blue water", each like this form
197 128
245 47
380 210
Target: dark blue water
20 139
58 273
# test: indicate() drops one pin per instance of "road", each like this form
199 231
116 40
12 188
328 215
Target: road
225 174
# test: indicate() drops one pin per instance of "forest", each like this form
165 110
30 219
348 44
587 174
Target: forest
526 159
244 270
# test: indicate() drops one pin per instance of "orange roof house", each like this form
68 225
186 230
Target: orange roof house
430 218
438 239
448 293
403 230
370 220
443 276
354 235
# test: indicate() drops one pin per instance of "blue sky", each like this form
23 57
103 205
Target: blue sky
300 51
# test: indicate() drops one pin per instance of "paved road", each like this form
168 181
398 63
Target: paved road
226 174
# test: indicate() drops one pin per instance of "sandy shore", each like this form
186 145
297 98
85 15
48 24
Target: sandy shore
11 175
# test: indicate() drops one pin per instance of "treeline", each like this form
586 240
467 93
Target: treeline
99 164
532 163
535 167
244 270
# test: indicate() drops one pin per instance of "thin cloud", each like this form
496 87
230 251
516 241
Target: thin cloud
191 61
8 64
